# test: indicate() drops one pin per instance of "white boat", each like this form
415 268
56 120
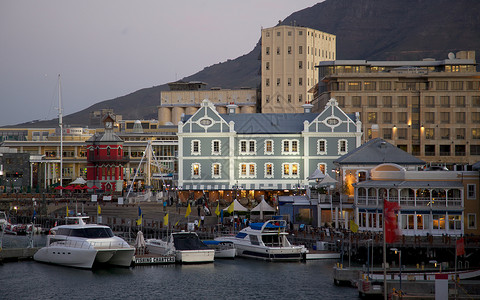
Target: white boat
223 249
83 245
266 241
187 247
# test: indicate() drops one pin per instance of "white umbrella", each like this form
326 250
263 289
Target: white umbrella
263 206
140 243
316 175
79 180
237 206
327 180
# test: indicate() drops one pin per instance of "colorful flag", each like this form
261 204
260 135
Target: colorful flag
189 210
67 211
177 223
139 220
353 226
165 220
460 246
230 208
217 210
391 226
99 210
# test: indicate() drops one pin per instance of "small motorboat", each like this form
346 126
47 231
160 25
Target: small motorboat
223 249
187 247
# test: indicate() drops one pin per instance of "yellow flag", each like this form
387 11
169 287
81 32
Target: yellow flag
165 220
230 208
189 210
67 211
139 220
217 211
353 226
99 210
177 223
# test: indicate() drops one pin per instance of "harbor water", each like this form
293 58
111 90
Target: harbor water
223 279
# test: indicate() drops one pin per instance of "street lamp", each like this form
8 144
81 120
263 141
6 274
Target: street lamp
399 252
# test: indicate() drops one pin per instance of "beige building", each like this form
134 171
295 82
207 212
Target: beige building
186 98
289 55
428 108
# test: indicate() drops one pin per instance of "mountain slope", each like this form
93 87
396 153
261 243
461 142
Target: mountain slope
365 29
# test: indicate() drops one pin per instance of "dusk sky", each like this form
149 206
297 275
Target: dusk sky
110 48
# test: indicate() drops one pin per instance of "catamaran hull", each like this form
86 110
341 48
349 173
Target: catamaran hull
84 258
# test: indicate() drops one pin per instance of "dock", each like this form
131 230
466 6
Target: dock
17 254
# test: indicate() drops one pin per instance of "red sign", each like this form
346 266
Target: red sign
391 226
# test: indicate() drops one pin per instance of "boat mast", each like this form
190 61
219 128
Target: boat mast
60 123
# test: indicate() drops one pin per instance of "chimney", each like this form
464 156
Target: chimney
307 108
231 108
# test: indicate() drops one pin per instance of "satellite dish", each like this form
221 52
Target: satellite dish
451 55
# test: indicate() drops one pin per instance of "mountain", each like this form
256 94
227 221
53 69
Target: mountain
365 29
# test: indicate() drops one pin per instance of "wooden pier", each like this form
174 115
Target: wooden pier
16 254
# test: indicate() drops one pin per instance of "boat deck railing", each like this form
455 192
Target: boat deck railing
92 245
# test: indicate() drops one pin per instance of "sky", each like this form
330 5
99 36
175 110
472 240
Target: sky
103 49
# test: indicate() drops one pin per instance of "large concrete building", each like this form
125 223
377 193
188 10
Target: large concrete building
429 108
186 98
289 55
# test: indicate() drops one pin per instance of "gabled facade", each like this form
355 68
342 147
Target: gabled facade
260 153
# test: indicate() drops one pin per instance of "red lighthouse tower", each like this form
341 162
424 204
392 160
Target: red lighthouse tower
105 158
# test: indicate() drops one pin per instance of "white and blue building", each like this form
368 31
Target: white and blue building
260 154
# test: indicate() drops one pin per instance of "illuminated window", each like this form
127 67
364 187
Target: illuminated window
268 147
268 170
196 170
215 147
322 147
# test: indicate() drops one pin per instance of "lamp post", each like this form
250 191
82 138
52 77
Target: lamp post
399 252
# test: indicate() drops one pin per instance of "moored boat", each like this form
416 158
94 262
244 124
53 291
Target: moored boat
83 245
223 249
267 241
186 246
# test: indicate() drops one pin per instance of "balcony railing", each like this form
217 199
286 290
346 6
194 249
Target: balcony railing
423 202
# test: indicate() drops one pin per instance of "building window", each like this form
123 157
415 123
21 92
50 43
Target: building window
473 85
267 98
248 147
196 170
445 133
402 101
289 81
267 82
372 117
460 133
471 191
475 101
322 167
290 170
342 147
402 133
300 50
289 98
248 170
268 147
442 85
445 101
216 169
387 101
370 85
289 49
119 152
429 150
472 221
429 133
195 147
289 147
341 101
445 117
300 81
300 65
372 101
460 101
108 151
402 117
278 81
278 50
429 101
300 98
322 147
387 133
267 66
430 117
474 149
268 170
356 101
476 117
354 86
385 85
387 118
457 85
460 117
460 150
216 147
267 50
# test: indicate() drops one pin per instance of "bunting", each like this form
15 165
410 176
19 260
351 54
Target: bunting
217 210
189 210
391 226
165 220
99 210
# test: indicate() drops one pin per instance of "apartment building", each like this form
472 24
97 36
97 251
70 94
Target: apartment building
429 108
289 55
